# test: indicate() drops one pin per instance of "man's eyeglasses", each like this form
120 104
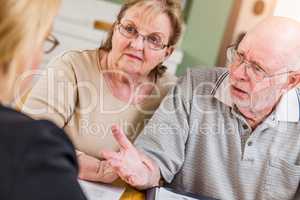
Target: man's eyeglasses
50 44
236 59
153 40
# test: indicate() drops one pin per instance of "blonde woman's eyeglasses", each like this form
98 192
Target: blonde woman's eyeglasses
50 44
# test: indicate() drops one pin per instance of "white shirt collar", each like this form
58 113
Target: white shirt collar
288 108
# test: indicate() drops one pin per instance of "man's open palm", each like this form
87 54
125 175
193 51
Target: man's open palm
131 165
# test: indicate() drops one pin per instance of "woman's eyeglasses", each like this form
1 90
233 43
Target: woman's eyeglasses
153 40
50 44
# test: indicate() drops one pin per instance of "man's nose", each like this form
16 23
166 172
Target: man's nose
240 71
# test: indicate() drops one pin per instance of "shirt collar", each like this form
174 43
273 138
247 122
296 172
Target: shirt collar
287 110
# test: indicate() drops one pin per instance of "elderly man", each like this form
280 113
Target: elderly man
227 134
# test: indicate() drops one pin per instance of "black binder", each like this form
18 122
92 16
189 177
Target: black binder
152 193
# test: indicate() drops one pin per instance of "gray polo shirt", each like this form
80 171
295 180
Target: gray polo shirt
203 145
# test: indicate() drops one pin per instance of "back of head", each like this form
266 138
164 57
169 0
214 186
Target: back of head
23 26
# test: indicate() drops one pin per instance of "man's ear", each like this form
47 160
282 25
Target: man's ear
293 80
169 51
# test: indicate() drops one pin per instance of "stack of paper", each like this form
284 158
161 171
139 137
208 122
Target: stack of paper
162 193
98 191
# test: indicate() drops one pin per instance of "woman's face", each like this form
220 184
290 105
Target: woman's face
35 59
32 59
135 55
29 62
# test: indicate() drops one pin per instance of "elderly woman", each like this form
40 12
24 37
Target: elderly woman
122 83
38 160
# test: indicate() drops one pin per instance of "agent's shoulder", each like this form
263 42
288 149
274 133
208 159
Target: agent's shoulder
25 128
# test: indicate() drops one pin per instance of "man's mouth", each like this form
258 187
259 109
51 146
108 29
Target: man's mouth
238 92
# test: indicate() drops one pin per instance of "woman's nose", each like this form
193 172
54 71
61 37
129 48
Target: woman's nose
138 43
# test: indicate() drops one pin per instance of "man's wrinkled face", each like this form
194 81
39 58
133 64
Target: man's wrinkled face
254 84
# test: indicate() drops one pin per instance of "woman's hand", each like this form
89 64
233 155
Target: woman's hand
131 165
92 169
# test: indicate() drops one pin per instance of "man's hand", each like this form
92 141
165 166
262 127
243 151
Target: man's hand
92 169
132 166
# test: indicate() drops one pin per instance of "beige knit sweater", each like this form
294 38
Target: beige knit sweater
72 93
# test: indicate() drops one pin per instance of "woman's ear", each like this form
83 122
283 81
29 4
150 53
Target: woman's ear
169 51
294 80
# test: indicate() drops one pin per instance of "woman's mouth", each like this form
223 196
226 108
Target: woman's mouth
135 57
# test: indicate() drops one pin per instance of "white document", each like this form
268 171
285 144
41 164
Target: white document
164 194
98 191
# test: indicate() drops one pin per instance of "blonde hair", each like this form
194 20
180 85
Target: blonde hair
23 26
172 8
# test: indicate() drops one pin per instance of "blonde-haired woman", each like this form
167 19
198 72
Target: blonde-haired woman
37 159
122 82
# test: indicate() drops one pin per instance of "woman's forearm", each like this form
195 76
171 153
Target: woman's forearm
92 169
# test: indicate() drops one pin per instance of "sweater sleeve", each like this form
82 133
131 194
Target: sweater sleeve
54 95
